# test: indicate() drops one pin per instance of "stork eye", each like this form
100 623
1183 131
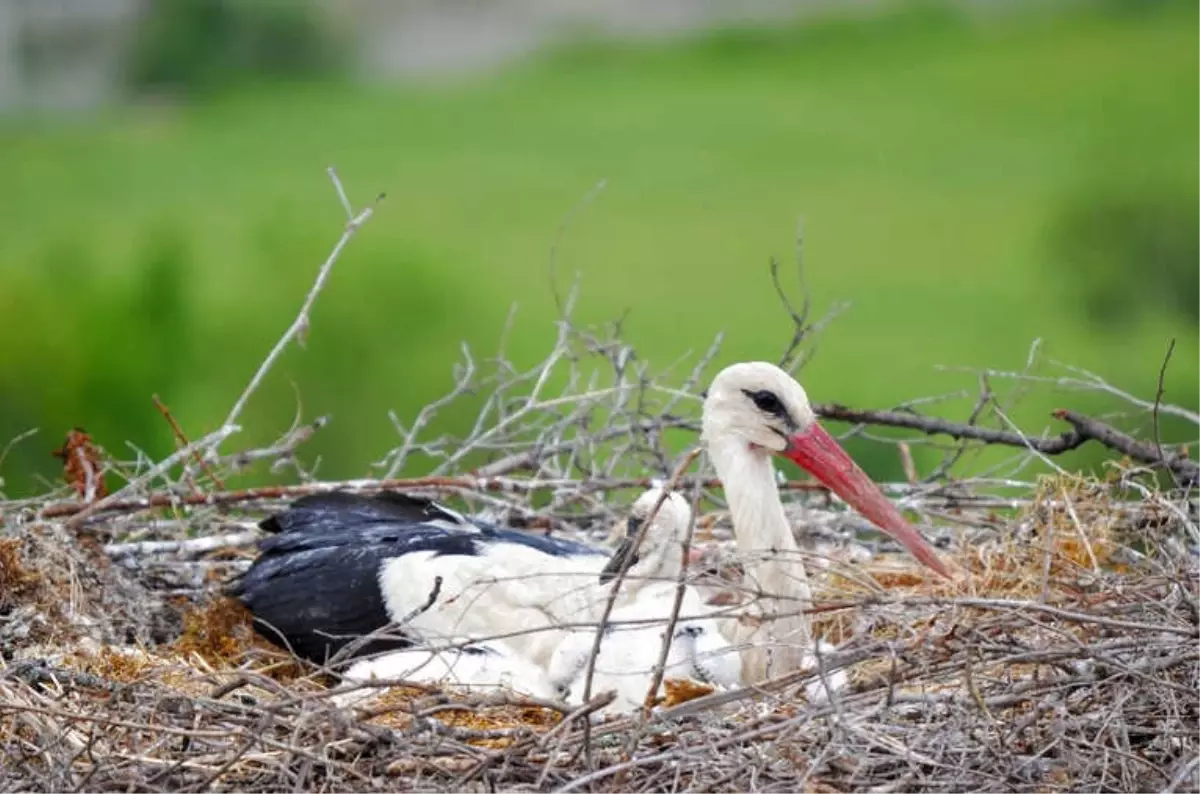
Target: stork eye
767 402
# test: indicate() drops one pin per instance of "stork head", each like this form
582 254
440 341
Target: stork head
756 408
757 404
661 552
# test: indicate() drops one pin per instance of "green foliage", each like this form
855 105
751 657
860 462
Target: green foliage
195 46
103 347
1132 254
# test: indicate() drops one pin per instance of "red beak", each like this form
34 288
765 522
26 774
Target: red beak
815 451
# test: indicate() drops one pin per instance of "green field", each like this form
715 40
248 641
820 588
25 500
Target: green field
931 156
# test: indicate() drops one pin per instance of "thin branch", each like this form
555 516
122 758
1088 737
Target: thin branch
182 439
300 325
1087 428
282 450
120 497
1158 395
552 266
1184 775
462 385
668 636
349 649
12 442
627 563
190 546
1089 382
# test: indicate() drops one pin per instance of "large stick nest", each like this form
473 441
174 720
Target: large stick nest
1064 659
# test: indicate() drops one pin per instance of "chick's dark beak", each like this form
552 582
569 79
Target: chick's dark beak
615 563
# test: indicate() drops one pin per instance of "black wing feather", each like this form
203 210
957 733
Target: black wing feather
314 586
556 547
314 592
316 601
339 509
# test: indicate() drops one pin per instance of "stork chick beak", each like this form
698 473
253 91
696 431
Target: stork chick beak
624 549
818 453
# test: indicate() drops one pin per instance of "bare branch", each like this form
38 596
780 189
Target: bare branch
118 497
564 310
299 327
1158 395
1087 428
191 546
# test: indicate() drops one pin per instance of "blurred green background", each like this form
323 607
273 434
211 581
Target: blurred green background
968 179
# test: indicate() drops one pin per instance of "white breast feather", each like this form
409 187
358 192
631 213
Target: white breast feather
629 653
508 589
500 667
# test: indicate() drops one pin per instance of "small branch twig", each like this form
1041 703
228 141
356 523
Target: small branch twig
1088 428
560 233
1089 381
280 451
300 325
461 386
1158 395
189 546
349 649
182 438
668 636
115 498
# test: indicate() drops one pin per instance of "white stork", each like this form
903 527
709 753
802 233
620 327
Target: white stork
753 411
338 566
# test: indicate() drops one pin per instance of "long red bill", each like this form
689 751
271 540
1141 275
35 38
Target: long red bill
818 453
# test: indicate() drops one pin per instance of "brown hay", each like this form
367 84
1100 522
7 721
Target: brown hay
217 632
16 581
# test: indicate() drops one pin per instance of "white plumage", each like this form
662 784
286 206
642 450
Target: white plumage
516 590
820 689
631 648
469 666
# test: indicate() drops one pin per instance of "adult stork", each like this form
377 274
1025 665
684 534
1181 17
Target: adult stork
338 566
752 411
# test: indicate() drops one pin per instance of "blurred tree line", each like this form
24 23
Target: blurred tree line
1130 252
191 47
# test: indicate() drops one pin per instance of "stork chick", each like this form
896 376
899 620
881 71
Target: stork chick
632 645
475 665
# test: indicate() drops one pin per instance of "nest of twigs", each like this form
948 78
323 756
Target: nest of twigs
1065 658
1063 662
